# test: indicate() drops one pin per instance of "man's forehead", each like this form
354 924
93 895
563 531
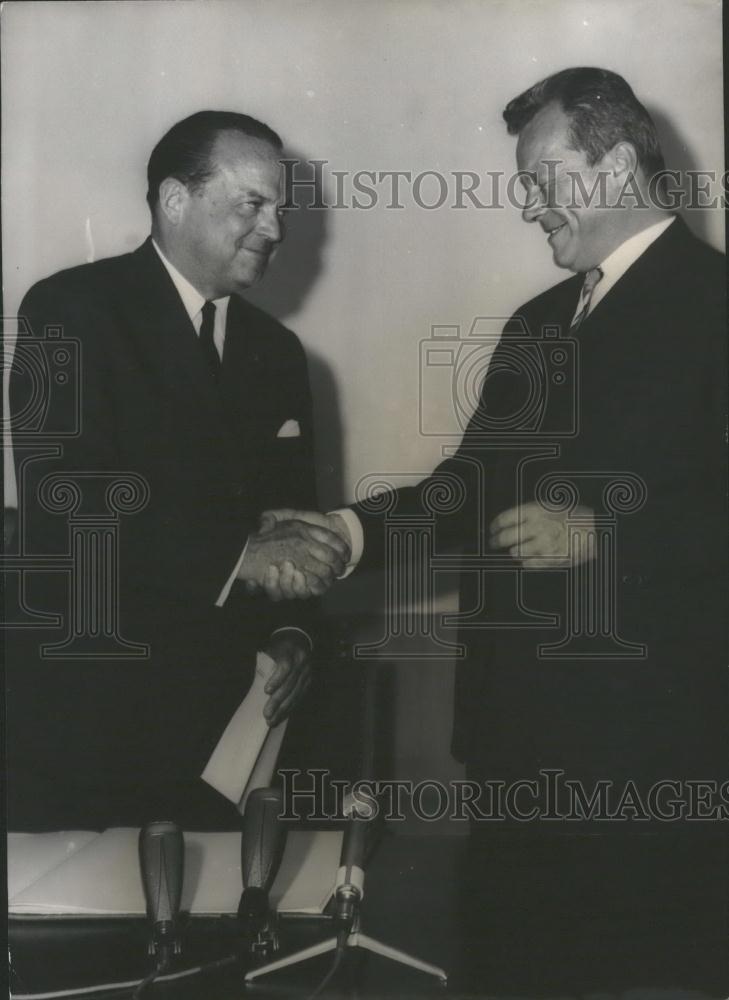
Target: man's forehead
545 137
234 150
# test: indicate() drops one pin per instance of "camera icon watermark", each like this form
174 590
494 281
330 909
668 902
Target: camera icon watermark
46 384
498 379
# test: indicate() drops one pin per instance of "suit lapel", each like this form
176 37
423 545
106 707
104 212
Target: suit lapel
167 341
567 302
241 368
552 311
621 346
637 288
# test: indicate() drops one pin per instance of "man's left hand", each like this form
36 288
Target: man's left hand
539 539
292 676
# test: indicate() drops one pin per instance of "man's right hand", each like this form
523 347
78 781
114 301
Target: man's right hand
307 556
285 580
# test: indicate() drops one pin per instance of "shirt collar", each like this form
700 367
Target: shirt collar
617 263
192 300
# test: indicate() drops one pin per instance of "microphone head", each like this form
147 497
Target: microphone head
161 861
263 838
261 849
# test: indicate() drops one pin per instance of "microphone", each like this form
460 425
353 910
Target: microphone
262 844
161 861
349 889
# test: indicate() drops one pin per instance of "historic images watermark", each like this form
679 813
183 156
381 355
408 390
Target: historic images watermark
548 797
316 184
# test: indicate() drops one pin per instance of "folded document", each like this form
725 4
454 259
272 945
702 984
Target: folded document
245 757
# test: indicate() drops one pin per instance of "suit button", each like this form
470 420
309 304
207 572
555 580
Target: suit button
239 492
627 578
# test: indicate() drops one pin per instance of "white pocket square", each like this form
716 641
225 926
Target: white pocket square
290 429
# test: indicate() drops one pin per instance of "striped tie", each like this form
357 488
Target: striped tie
591 279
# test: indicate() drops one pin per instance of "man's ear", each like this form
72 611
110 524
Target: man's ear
622 160
173 197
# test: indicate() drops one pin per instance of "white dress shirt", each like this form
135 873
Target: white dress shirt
193 302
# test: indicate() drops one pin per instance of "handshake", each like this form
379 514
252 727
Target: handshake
301 553
295 554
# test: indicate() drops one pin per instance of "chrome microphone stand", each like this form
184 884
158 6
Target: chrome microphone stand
355 939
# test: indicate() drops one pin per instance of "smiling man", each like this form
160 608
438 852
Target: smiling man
639 901
206 398
595 575
223 224
573 193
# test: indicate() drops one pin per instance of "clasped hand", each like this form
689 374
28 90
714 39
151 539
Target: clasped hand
294 554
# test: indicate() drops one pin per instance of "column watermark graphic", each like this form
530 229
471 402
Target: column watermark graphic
82 510
92 621
591 619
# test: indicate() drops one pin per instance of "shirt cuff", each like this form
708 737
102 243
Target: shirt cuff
223 595
356 537
294 628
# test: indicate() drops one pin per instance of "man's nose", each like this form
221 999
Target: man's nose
270 225
533 207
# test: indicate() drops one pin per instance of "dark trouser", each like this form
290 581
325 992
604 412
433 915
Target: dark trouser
566 915
99 743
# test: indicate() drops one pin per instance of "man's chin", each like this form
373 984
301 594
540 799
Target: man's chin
563 259
251 276
563 252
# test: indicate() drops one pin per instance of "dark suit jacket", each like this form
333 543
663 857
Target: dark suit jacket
212 462
649 378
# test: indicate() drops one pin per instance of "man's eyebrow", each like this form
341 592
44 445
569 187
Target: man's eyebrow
252 194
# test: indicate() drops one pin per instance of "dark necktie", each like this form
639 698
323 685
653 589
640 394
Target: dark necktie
207 340
591 279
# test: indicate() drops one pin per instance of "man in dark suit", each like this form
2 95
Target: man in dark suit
205 401
592 518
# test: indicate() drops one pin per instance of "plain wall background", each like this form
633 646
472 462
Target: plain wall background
88 88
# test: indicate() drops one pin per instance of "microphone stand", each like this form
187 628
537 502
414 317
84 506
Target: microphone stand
356 938
350 883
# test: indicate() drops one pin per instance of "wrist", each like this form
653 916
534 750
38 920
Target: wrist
352 532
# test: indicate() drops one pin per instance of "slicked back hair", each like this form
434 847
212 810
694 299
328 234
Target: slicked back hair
602 110
185 151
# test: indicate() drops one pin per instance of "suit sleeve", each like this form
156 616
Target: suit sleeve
454 497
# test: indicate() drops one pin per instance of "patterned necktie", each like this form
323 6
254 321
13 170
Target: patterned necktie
207 339
591 279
